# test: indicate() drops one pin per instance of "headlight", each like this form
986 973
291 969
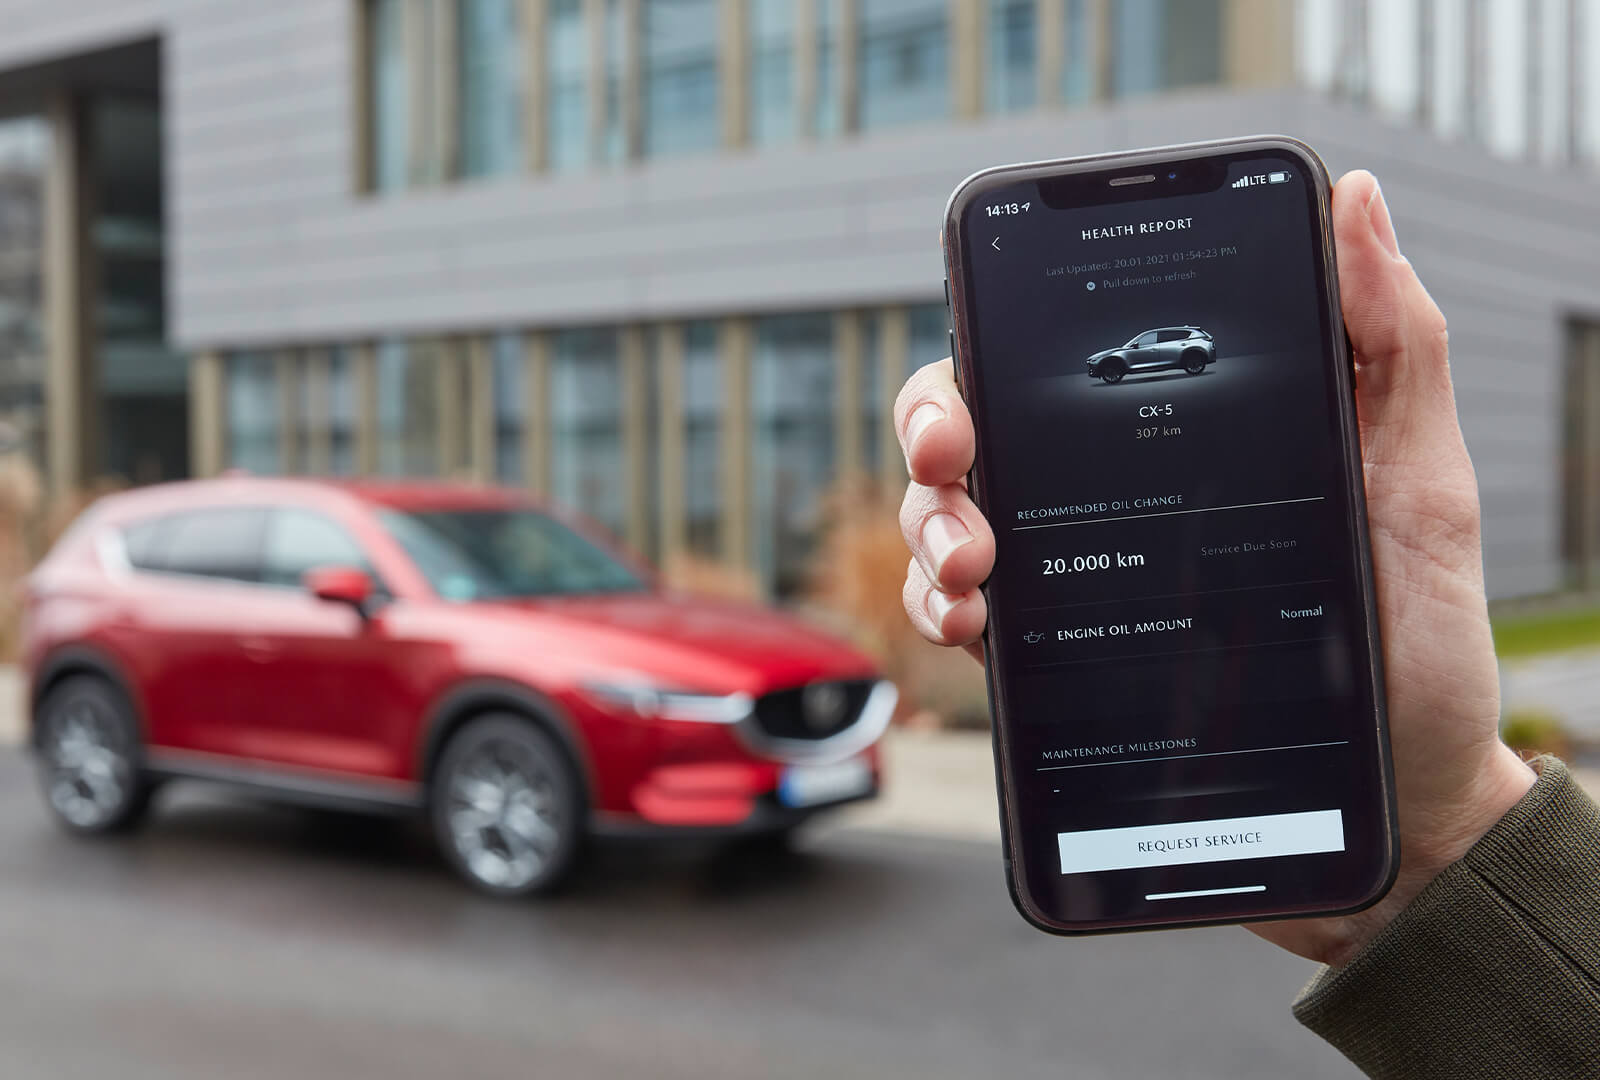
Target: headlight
656 702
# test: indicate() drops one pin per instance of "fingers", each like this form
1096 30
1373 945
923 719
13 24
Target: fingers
1398 333
934 427
948 537
944 618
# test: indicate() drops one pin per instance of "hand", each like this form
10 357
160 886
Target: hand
1454 776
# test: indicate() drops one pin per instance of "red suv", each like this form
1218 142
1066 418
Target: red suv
462 652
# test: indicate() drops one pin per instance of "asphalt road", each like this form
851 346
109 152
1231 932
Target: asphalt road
235 940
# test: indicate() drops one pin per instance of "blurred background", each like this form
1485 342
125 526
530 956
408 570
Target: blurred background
667 262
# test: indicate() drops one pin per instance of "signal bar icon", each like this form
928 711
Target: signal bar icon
1243 181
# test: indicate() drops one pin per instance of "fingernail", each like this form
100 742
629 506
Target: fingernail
942 534
1382 224
940 605
923 417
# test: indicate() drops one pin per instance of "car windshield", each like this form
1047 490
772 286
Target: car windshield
495 554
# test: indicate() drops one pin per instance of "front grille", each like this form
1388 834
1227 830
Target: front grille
814 711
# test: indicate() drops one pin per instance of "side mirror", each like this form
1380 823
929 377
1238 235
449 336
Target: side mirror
340 585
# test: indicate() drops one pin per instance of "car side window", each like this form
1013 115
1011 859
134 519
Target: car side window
303 540
223 542
1147 338
1174 335
145 543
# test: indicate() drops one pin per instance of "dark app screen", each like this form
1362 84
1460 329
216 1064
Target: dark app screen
1178 621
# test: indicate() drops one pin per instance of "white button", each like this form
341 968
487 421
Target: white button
1221 840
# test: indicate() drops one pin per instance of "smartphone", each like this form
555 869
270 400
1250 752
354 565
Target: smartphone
1182 648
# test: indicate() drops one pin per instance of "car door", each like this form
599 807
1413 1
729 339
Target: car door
1143 353
191 586
327 692
1169 346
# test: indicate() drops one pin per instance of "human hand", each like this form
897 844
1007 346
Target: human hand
1453 775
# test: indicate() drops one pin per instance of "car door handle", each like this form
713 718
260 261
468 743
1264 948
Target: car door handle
259 649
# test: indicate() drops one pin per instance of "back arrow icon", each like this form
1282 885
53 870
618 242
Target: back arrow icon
995 243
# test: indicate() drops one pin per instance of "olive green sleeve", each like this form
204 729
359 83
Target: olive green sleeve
1494 970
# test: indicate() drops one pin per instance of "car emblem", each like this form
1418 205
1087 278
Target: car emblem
823 705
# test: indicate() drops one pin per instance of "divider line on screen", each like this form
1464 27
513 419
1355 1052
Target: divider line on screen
1180 757
1168 513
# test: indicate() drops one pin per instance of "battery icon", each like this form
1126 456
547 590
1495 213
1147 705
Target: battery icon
1277 178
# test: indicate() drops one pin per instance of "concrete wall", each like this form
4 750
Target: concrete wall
270 246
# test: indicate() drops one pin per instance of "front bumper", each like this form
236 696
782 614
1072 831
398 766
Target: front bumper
763 814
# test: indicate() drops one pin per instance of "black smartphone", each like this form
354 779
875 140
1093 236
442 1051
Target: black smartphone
1184 667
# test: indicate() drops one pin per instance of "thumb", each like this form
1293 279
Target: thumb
1397 331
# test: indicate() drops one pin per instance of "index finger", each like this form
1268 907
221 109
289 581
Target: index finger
934 426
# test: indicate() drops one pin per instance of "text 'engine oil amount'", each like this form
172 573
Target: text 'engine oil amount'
1085 564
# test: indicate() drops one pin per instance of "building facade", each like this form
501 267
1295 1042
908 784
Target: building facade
667 261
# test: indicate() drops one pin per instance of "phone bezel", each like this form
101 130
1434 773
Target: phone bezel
1159 159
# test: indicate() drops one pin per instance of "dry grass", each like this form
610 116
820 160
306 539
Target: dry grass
705 577
30 523
856 582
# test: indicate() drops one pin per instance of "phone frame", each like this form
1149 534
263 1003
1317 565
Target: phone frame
1159 159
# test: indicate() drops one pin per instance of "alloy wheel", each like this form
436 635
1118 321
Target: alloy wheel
503 814
89 779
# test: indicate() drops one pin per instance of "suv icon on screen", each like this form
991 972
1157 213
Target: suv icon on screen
1167 348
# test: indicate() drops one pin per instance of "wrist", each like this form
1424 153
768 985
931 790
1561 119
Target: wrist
1497 787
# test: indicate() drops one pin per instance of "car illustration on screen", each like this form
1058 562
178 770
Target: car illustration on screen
1166 348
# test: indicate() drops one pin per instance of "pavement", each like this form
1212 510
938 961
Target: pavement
231 939
1566 684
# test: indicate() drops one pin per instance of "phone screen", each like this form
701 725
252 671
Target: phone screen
1180 626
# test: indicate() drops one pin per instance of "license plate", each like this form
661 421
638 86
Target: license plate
810 785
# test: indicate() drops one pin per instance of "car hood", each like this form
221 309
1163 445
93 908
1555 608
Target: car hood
689 641
1103 353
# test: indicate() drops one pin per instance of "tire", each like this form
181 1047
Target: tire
1112 369
91 757
1194 361
506 807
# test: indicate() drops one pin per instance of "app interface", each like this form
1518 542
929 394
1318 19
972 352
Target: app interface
1179 631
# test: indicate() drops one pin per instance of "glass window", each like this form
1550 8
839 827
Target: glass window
510 387
1012 68
24 157
904 63
1078 55
299 541
486 554
876 399
566 53
586 462
680 76
772 104
930 338
490 96
828 115
1165 44
141 386
253 412
221 543
341 413
613 140
792 391
389 93
702 418
408 410
144 543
